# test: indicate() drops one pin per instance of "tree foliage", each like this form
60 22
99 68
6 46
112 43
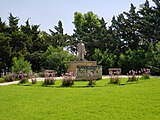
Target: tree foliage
27 41
21 65
57 59
91 30
130 42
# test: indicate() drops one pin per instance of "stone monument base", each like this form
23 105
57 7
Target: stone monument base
85 70
73 65
89 72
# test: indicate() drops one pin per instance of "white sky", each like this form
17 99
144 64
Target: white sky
47 13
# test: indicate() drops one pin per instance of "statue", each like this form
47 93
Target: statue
81 51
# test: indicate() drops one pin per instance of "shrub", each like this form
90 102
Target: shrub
145 76
92 83
92 80
23 80
49 81
49 77
68 79
114 76
67 82
115 79
22 77
33 80
9 77
145 73
132 78
2 80
133 75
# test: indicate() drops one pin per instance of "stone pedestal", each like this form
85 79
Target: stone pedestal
73 65
89 72
85 70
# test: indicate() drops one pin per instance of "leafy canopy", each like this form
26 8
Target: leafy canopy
20 65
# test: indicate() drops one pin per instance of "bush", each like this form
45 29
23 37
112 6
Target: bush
92 80
145 76
133 75
114 80
9 77
114 76
68 79
33 80
67 82
132 78
23 80
49 77
145 73
92 83
49 81
2 80
22 77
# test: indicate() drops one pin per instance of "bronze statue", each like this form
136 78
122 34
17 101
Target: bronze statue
81 51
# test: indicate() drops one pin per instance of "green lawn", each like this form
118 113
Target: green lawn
133 101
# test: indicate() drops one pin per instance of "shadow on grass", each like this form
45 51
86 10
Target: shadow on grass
122 84
61 86
80 84
73 86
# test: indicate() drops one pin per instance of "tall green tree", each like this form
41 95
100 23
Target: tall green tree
91 30
13 23
36 44
148 25
125 31
58 38
131 36
154 55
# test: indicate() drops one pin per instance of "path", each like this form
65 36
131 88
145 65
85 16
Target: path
16 82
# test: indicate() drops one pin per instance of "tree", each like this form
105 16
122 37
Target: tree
91 30
5 51
105 58
20 65
124 30
13 23
133 60
36 59
58 38
35 43
154 55
147 25
118 34
57 59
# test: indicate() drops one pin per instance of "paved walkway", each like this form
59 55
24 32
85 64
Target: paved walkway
16 82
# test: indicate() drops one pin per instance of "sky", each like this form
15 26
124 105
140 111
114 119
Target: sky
47 13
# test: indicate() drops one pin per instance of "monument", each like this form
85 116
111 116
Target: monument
81 51
84 69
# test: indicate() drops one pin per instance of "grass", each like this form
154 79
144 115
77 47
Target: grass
132 101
